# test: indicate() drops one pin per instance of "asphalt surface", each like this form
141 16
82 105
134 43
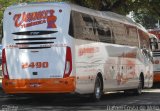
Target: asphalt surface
118 101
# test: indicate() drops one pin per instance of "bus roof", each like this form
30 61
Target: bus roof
103 14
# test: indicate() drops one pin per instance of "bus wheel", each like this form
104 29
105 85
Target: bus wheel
97 89
138 91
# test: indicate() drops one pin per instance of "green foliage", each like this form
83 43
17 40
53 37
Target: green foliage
147 13
3 5
142 8
146 18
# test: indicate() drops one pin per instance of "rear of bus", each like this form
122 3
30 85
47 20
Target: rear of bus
37 54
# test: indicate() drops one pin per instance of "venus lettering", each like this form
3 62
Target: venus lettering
25 19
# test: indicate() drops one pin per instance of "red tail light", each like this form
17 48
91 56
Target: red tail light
68 64
4 65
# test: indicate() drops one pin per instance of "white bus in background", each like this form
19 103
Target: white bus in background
64 48
155 47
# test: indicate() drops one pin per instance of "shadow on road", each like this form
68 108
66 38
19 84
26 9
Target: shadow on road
156 85
72 102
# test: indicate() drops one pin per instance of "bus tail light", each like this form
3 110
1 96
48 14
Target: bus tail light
4 65
68 64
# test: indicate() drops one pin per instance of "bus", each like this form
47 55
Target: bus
155 31
58 47
155 48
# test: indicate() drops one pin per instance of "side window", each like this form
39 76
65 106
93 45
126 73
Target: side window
119 32
132 36
103 30
125 34
87 19
82 26
71 30
88 27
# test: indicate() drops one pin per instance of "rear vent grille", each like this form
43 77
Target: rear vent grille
35 43
34 47
26 39
33 33
156 53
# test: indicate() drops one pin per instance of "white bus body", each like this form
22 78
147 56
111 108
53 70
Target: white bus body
64 48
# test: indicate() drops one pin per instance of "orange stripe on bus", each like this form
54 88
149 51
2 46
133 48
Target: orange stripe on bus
50 85
156 77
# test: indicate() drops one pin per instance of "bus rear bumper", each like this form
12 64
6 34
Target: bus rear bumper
156 77
51 85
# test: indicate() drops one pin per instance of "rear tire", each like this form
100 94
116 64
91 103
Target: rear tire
98 89
138 91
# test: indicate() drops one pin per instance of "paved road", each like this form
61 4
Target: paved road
112 101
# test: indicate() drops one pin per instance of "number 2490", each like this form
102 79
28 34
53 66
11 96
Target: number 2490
35 65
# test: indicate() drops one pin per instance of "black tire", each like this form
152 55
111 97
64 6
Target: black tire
98 90
138 91
127 92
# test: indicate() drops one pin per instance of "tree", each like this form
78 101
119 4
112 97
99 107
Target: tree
146 19
149 14
146 12
141 8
